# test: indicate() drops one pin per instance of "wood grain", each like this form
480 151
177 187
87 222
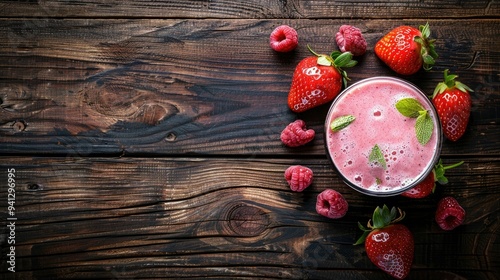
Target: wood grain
257 9
174 217
145 139
200 87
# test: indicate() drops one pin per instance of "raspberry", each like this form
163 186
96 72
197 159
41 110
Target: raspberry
331 204
449 213
350 39
295 134
284 39
298 177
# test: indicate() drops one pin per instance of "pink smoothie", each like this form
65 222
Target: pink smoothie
378 122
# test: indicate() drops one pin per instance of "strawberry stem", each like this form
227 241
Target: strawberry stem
440 169
311 50
337 60
453 165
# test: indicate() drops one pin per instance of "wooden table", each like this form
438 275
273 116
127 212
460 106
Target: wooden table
144 140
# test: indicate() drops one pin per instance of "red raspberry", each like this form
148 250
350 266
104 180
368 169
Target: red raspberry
449 213
295 134
298 177
350 39
284 39
331 204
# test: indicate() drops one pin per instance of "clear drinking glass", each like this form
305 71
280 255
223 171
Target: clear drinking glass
378 130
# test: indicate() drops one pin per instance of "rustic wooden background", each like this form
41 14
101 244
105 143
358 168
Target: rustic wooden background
145 139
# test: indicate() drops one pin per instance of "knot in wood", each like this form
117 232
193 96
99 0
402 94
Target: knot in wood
247 220
19 125
171 137
34 187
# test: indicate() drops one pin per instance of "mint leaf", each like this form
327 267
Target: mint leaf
341 122
409 107
377 156
424 127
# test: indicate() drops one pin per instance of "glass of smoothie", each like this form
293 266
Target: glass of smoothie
383 136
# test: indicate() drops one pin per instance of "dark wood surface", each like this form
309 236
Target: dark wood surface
144 136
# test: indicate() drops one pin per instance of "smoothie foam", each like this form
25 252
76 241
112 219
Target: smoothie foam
378 122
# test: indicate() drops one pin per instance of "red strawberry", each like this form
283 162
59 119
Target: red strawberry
453 104
449 213
406 49
389 245
427 186
318 79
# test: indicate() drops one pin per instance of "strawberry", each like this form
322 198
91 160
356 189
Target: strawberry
423 189
406 49
388 244
453 105
427 186
318 79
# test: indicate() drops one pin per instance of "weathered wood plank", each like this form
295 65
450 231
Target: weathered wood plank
193 217
80 87
261 9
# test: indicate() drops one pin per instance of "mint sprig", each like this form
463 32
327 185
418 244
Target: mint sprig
341 122
376 156
424 126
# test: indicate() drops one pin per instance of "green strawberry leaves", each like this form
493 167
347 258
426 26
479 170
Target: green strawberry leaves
440 169
324 60
343 60
381 218
362 238
341 122
449 82
427 50
424 126
338 60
